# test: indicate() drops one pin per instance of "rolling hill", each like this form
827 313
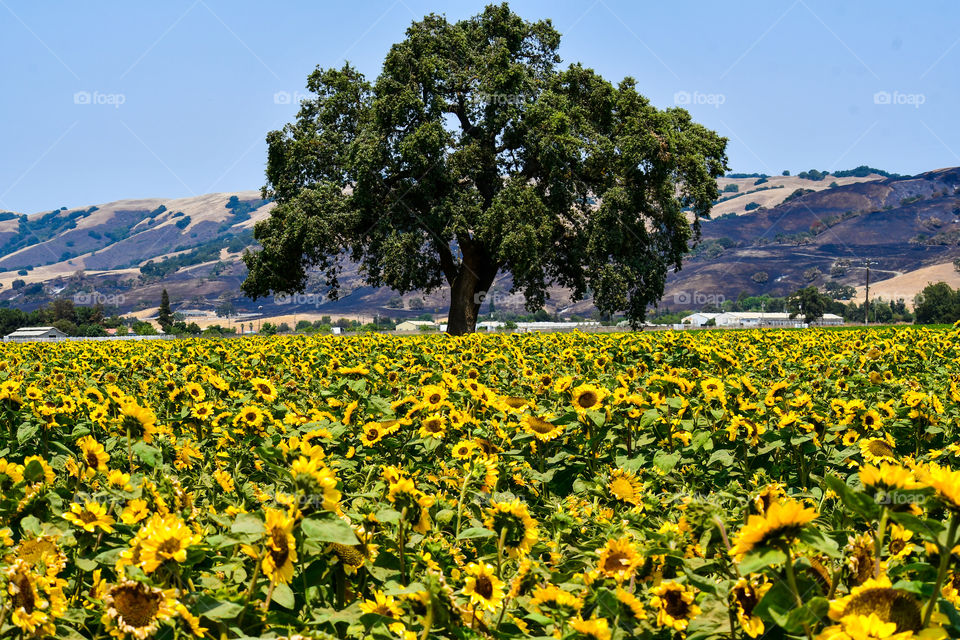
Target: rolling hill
768 234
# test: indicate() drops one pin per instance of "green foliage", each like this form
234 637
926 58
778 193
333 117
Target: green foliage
731 188
863 171
472 154
937 304
750 206
813 174
809 303
164 314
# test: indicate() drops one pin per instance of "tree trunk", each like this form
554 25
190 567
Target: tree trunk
467 293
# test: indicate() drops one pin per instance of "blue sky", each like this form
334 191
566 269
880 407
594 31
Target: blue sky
115 99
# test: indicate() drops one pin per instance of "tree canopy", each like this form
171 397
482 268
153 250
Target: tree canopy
473 154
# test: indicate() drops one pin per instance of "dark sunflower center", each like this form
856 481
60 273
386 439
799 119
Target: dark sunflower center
484 587
434 398
433 426
88 517
896 546
891 605
25 596
675 606
616 561
137 607
588 399
169 546
747 599
880 449
92 460
540 425
281 550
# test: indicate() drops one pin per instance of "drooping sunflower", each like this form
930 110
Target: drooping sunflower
282 549
746 595
511 520
138 421
781 522
135 609
555 600
625 486
618 559
540 428
35 600
595 628
483 587
404 494
674 604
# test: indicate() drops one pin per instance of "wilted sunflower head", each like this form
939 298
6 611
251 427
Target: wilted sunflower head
136 609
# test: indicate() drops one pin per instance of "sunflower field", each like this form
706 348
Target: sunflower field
672 484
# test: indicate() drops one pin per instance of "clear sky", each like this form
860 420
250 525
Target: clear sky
106 100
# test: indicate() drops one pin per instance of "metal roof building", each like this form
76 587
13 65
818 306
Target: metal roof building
35 334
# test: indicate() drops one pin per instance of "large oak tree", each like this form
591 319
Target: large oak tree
472 154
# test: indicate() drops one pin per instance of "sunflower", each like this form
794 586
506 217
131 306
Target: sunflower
135 511
42 552
872 419
90 516
674 604
405 495
195 391
899 545
945 482
540 428
136 610
877 597
876 450
463 449
890 477
483 587
511 520
587 397
432 397
251 417
373 432
768 495
625 486
433 426
596 628
618 559
746 595
780 523
282 548
555 600
632 602
35 600
382 605
140 422
92 454
165 538
264 389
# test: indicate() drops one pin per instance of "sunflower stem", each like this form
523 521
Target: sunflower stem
945 557
503 537
792 581
878 543
401 543
463 493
